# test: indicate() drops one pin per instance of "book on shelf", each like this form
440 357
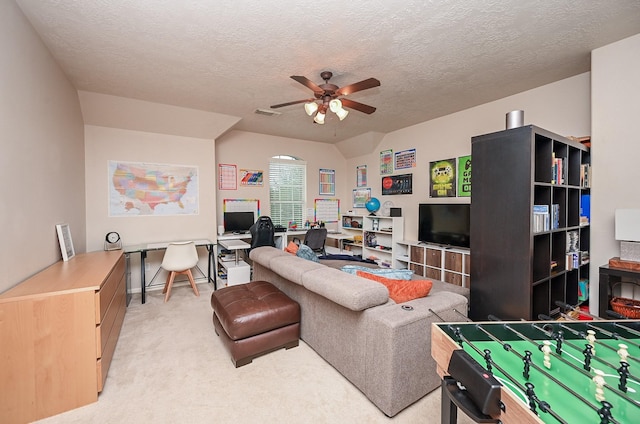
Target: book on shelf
573 241
540 218
555 216
585 207
585 175
558 170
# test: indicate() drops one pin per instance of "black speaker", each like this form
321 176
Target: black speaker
395 212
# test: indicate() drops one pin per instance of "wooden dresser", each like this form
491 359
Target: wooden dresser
58 333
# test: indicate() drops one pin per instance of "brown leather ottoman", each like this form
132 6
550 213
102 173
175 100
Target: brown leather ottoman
253 319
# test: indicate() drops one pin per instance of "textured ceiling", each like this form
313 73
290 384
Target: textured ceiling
235 56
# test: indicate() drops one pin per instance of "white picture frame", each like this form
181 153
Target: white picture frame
66 243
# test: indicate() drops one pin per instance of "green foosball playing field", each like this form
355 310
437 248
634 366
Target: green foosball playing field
573 372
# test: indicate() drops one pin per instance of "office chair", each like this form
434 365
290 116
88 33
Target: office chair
262 233
315 239
179 258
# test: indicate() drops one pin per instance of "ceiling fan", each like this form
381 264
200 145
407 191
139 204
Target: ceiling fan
329 96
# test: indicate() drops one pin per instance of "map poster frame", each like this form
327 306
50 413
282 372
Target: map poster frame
152 189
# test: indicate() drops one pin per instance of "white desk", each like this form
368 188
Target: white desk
341 237
279 238
145 247
234 244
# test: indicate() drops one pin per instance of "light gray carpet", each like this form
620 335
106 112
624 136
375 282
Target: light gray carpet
169 366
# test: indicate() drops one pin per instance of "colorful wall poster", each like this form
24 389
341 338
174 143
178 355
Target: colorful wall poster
397 184
464 176
227 176
405 159
137 188
327 182
360 197
442 174
361 175
386 162
251 178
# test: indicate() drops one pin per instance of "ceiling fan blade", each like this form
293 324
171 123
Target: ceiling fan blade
358 86
358 106
291 103
308 83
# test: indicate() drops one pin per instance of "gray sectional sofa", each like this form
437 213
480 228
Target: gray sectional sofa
383 348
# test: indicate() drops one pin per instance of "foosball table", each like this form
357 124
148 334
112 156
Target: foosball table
540 371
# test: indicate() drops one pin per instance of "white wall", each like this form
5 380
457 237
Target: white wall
253 151
562 107
615 144
42 158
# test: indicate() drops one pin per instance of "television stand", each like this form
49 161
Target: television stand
439 262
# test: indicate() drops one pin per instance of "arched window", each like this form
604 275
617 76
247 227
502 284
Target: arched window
287 189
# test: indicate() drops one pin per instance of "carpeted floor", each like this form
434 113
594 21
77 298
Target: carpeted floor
169 367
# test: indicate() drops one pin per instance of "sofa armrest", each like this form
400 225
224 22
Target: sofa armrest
398 364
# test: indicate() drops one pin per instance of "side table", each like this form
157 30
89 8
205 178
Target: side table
608 277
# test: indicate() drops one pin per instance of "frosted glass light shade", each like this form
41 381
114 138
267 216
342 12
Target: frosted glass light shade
335 105
310 108
319 119
342 113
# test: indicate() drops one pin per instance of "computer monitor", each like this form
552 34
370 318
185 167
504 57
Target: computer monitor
238 222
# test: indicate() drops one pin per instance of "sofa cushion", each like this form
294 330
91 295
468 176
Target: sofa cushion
396 274
345 289
265 254
292 268
401 290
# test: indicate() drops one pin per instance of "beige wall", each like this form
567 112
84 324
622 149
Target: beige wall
616 145
114 144
561 107
253 151
42 157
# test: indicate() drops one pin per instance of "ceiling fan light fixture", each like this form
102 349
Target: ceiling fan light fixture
310 108
335 105
342 113
319 119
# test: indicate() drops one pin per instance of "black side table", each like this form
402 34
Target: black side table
608 278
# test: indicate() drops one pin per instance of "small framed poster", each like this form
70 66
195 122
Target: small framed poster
360 197
397 184
66 243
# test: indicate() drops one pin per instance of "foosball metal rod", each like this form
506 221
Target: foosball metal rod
613 335
600 343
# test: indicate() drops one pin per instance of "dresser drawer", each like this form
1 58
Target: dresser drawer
104 362
108 289
108 323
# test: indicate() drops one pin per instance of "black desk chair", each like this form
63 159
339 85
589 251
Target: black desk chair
262 233
315 239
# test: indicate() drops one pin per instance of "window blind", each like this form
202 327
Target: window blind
287 191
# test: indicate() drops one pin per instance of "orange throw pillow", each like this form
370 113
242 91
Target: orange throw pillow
291 248
401 290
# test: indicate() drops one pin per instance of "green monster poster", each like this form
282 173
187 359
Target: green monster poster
443 178
464 176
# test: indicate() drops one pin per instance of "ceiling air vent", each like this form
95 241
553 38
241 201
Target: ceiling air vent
267 112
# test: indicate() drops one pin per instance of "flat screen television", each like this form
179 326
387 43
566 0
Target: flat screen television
446 224
238 222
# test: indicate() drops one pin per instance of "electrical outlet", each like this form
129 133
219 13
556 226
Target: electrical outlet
147 266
